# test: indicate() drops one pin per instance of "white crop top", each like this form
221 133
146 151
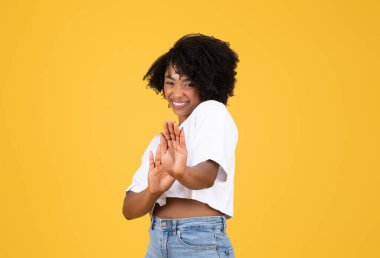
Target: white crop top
210 133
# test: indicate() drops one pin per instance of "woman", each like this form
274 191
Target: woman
185 180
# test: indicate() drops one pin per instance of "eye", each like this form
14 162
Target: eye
189 84
169 83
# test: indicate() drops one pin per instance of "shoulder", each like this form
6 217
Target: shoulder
210 110
212 115
211 106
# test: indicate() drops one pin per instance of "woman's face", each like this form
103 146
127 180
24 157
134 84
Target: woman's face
183 98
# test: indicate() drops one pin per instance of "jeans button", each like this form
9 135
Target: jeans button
163 224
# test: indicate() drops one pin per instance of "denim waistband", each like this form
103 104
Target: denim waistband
210 222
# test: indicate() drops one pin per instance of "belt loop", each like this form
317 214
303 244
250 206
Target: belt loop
175 226
224 224
152 221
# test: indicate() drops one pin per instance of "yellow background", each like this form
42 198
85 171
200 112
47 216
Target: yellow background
76 117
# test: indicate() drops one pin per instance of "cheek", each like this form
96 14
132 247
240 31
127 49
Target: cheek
195 96
166 92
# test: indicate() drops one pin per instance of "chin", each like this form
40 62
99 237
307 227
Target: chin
181 114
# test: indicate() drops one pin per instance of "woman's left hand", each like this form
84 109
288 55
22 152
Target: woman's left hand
173 149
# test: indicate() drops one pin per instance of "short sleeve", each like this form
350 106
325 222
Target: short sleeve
140 178
215 138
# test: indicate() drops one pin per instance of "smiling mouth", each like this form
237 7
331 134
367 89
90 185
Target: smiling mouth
179 104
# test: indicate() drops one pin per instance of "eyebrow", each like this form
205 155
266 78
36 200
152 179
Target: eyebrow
170 77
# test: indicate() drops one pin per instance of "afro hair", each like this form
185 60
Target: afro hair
207 61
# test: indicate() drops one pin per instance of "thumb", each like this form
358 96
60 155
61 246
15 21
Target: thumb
151 162
182 141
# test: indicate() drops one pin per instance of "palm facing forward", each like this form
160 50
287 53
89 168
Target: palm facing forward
159 180
173 149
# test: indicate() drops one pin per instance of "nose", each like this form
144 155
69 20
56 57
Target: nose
178 92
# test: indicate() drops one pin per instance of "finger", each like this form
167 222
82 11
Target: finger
171 130
170 144
151 162
176 131
174 145
163 143
166 131
182 142
158 156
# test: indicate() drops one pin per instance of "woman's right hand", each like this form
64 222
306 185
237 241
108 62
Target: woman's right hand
159 181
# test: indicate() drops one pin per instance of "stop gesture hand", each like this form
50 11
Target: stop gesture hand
159 180
173 149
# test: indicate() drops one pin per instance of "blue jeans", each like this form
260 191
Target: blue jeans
189 237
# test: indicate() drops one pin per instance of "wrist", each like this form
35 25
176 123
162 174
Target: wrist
154 195
180 176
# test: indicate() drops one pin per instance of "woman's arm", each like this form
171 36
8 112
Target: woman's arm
159 181
138 204
197 177
200 176
174 158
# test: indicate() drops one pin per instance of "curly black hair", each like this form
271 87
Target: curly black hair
207 61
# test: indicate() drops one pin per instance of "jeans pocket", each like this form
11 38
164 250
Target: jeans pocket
195 239
226 253
225 248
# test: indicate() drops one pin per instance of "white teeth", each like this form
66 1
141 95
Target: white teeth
179 103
